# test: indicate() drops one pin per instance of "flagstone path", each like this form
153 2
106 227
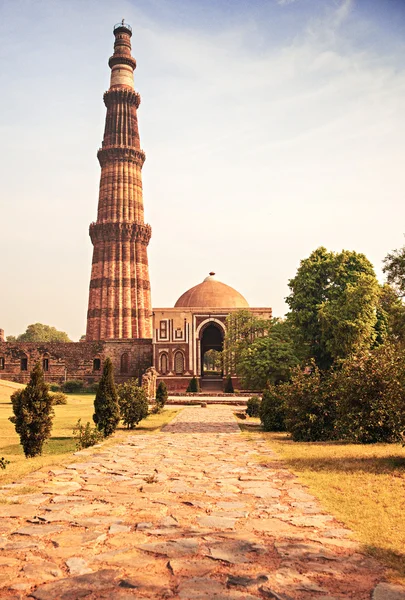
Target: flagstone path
193 512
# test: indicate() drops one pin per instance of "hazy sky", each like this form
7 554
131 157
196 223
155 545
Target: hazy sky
270 127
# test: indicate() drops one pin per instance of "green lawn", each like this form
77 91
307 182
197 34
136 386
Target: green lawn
59 448
362 485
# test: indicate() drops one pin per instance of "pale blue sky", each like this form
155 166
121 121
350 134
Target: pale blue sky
270 128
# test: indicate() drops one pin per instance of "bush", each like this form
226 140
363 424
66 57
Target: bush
161 395
253 407
310 404
371 396
193 386
272 408
33 413
133 403
59 398
228 388
54 387
73 386
86 435
91 389
4 462
106 410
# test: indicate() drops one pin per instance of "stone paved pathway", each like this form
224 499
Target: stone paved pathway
194 512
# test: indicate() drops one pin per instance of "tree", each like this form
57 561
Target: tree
106 409
272 408
394 267
242 327
133 403
333 304
267 360
391 311
161 395
310 405
370 392
38 332
33 413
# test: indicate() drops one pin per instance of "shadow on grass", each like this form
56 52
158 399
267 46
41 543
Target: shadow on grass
339 462
378 465
56 445
393 560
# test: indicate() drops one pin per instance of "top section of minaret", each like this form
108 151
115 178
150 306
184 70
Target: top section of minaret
122 64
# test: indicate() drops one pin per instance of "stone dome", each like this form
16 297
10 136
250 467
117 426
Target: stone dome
211 293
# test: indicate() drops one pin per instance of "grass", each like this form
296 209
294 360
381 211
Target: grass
59 448
362 485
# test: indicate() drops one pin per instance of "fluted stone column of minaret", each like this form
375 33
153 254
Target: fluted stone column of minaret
119 300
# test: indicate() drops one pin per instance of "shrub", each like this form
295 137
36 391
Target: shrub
310 404
73 386
193 386
33 413
4 462
228 388
106 410
133 403
161 395
86 435
54 387
272 408
253 406
92 388
58 398
371 396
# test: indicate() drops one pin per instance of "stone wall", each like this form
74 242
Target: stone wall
81 360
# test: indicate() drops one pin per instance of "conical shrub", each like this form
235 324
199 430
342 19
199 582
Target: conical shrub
228 388
193 386
161 395
33 413
106 409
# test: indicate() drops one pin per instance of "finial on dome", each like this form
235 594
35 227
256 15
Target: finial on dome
212 273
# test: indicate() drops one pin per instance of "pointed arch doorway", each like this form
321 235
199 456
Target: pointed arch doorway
211 344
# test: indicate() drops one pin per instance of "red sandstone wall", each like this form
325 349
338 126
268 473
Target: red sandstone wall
75 360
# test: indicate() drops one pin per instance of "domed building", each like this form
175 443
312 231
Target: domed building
183 335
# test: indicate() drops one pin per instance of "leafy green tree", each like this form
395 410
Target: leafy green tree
133 403
37 332
106 409
333 304
267 359
394 267
370 392
161 395
33 413
242 327
310 405
272 408
391 312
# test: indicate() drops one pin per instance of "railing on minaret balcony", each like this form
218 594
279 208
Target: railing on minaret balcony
122 25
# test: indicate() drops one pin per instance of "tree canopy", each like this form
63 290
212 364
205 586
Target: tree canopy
394 267
38 332
267 360
333 304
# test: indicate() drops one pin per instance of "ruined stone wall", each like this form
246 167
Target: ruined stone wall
82 360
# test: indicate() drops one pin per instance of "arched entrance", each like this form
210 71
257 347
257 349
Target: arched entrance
212 339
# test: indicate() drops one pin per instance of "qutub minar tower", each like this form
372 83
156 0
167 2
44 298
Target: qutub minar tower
168 343
119 299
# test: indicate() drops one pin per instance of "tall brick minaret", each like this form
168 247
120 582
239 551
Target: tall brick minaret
119 300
